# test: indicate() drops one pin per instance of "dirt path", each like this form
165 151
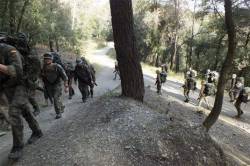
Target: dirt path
232 134
46 118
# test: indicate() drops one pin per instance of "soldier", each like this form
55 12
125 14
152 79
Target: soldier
244 97
237 85
190 83
92 72
32 70
52 74
69 69
12 87
116 71
83 75
158 82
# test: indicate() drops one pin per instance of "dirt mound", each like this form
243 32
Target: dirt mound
119 131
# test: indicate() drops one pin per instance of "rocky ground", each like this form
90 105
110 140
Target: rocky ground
118 131
110 130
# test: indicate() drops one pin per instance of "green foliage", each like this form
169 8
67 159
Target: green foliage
157 24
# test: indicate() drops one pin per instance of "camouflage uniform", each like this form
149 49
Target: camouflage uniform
18 102
92 72
83 75
158 82
52 75
69 69
32 70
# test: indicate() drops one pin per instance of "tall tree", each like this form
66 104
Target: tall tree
125 46
227 65
26 2
12 16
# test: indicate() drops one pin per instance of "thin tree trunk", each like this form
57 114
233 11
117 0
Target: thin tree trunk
3 14
57 44
177 61
173 58
128 60
213 116
12 9
21 16
217 54
192 38
51 44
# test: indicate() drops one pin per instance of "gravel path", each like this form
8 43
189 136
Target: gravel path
46 118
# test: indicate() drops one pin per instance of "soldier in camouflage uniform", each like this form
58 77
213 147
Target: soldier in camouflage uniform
83 75
32 71
52 74
92 72
69 69
12 87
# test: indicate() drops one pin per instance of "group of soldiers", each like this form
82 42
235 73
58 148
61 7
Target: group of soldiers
20 72
238 93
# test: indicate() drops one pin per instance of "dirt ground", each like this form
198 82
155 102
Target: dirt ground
231 134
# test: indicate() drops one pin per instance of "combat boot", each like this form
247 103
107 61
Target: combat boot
35 136
16 153
36 112
58 116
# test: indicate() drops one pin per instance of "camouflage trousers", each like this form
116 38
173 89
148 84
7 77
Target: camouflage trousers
84 89
32 99
237 106
55 92
19 106
4 110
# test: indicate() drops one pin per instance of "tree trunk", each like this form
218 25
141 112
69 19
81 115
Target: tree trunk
3 15
128 61
217 54
213 116
177 61
173 58
12 19
192 38
51 45
57 44
21 16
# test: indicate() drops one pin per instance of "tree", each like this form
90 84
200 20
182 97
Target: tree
213 116
128 60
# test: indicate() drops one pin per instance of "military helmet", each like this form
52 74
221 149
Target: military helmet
48 56
22 36
78 60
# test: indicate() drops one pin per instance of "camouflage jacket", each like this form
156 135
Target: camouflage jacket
10 57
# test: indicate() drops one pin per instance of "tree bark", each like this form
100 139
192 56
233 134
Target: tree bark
12 19
217 54
3 14
21 16
173 57
192 38
227 65
128 61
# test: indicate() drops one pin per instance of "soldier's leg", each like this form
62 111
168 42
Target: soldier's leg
4 107
17 131
71 90
91 91
33 102
58 105
231 95
33 124
84 91
237 106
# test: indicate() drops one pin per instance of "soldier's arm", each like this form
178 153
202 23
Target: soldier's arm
14 69
63 75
